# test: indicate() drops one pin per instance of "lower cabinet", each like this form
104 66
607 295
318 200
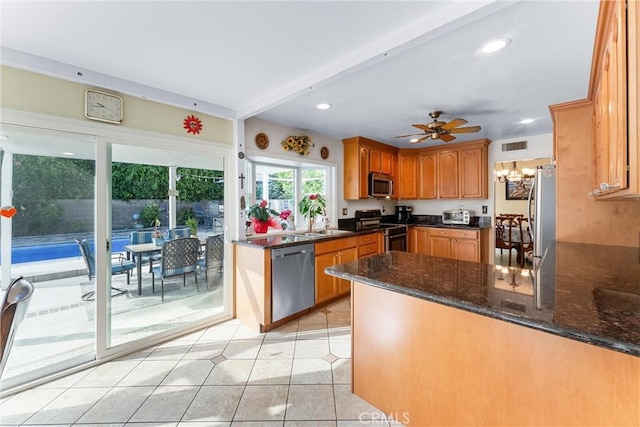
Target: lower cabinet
332 252
419 240
458 244
368 245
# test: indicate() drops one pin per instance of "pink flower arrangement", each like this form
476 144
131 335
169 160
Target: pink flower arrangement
285 214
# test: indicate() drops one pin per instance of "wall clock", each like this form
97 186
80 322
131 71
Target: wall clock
103 106
324 153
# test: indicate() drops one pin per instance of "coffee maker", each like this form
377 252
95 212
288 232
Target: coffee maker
403 214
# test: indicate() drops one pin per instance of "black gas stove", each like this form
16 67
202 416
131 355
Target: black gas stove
395 234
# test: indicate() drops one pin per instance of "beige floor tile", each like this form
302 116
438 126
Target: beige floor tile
351 407
277 349
203 424
311 349
172 350
263 403
284 332
339 331
189 372
17 408
244 332
256 424
206 350
149 425
363 422
339 318
118 405
69 406
315 423
311 371
243 349
313 318
148 373
342 305
340 347
230 372
341 369
68 380
309 331
271 371
214 403
193 336
108 374
166 404
219 333
311 402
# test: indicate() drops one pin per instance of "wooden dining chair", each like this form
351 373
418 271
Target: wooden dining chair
505 228
526 240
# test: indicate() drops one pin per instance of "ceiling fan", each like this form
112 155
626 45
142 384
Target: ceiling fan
441 130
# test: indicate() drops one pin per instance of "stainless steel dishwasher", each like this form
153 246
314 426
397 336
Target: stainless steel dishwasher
292 280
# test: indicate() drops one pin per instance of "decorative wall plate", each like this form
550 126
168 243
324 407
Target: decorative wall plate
324 153
262 141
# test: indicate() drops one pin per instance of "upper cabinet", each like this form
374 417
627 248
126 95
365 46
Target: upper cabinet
451 171
361 156
614 92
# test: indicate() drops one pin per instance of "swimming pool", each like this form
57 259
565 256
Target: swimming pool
45 252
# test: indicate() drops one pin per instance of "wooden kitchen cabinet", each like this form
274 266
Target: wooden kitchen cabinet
427 184
448 175
452 171
328 253
419 240
464 245
407 176
361 156
368 245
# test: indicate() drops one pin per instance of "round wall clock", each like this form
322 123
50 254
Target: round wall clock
262 141
102 106
324 153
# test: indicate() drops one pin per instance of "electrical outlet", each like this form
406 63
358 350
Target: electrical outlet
484 209
344 211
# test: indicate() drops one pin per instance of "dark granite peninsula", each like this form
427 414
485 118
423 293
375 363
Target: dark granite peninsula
444 342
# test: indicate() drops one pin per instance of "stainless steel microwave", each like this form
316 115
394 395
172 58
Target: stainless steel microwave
380 185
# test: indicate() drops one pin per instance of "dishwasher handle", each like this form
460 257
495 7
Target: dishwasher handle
289 254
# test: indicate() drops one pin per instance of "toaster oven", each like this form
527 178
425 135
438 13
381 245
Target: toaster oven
456 216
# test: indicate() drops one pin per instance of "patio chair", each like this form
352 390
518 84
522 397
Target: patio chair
12 311
180 232
119 264
213 255
179 256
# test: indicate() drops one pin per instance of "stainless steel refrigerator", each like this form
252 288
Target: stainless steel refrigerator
542 219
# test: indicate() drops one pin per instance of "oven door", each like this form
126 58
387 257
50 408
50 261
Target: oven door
395 243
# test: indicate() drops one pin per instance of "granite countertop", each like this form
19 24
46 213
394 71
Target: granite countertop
297 238
590 293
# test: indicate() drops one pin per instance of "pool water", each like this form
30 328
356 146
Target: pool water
45 252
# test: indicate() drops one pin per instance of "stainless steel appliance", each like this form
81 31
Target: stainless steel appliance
293 280
403 214
380 185
456 216
395 235
542 220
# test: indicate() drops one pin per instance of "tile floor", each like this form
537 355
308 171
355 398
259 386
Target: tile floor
226 375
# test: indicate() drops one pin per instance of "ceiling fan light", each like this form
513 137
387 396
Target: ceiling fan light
414 140
495 45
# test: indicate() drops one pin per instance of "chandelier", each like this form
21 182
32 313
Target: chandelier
514 173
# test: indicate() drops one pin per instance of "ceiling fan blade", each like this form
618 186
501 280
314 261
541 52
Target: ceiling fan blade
446 137
466 130
423 127
453 123
413 134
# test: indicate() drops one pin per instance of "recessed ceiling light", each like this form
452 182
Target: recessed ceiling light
526 121
323 106
495 45
68 153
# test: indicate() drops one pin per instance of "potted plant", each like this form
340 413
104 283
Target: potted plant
156 235
192 223
260 215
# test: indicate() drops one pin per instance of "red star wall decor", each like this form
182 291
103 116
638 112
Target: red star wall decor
192 124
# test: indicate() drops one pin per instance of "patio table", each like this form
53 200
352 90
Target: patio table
139 250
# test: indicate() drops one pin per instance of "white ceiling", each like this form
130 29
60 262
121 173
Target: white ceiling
383 65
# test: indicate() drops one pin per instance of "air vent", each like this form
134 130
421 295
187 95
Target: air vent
512 146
